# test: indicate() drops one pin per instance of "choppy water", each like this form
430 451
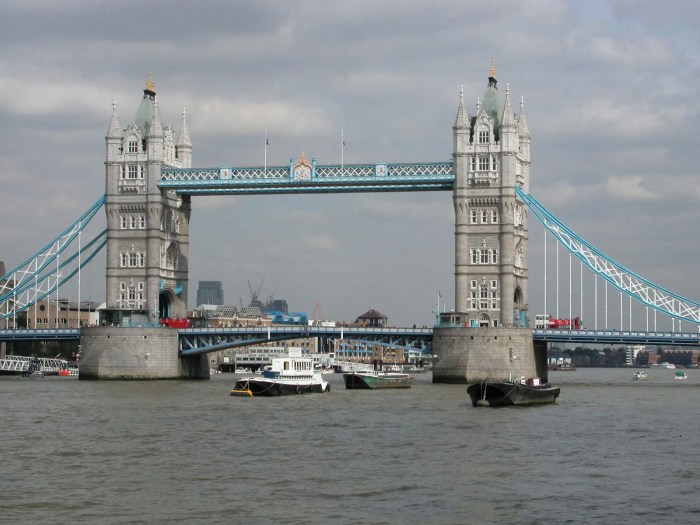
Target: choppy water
611 450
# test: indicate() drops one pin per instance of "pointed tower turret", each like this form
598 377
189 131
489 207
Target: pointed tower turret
184 144
523 130
460 130
508 131
524 146
154 137
115 135
115 130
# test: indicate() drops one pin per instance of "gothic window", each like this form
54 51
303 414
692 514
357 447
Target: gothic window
472 163
494 163
494 284
484 298
484 256
475 256
133 146
494 302
483 163
142 222
484 216
474 216
123 260
494 216
473 300
132 222
132 260
132 172
121 171
142 259
140 171
132 294
472 284
494 256
483 137
123 222
122 286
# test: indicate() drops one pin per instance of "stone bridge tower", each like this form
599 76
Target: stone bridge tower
487 336
491 157
147 228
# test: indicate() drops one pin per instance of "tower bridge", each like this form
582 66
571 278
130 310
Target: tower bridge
149 185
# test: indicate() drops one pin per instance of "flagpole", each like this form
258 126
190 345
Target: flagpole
265 150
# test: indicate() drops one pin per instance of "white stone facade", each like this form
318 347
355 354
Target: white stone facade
491 156
148 229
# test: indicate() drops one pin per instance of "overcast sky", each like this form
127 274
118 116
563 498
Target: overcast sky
611 98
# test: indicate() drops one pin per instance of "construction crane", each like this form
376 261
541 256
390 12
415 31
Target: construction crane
254 301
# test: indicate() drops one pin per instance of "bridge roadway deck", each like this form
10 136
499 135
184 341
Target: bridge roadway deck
194 338
204 340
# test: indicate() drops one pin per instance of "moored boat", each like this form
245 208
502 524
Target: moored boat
504 393
375 379
640 375
680 374
290 374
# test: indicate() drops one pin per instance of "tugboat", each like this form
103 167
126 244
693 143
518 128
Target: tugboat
505 393
290 374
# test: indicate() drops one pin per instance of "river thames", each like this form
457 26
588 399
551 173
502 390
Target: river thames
611 450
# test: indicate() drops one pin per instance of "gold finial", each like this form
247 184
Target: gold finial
150 86
492 72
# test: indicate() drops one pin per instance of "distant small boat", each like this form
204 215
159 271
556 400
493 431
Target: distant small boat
670 366
504 393
69 371
680 374
561 367
640 376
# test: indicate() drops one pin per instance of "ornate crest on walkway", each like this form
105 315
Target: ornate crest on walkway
302 170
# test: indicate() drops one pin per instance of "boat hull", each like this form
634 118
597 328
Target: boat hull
359 380
265 387
505 393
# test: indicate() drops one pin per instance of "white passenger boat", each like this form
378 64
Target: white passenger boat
640 375
290 374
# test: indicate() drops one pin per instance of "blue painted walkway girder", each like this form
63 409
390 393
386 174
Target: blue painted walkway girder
304 177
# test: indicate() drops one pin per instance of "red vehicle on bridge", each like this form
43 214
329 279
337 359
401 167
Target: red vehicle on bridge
174 322
547 322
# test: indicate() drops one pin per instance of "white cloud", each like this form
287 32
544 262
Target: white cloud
629 188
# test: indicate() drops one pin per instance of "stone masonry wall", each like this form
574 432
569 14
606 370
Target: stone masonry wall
470 355
135 353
